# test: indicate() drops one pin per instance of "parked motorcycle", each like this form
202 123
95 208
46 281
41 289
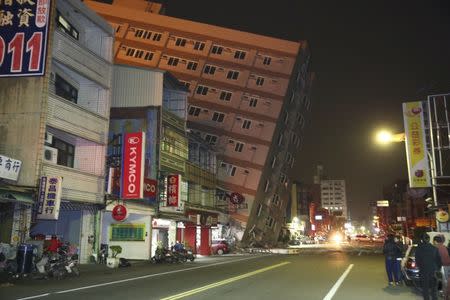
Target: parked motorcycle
162 255
8 259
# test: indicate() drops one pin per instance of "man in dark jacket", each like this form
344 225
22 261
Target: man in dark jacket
391 251
428 261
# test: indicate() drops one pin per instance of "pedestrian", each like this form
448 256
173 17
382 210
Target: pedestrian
428 261
398 258
438 241
391 251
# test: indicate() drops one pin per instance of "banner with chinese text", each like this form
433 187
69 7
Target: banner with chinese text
49 199
23 37
173 190
416 152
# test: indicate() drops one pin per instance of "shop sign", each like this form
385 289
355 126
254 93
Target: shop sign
150 188
133 166
9 168
160 223
119 212
236 198
23 37
383 203
173 190
49 199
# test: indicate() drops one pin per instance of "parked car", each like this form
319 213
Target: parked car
362 238
220 247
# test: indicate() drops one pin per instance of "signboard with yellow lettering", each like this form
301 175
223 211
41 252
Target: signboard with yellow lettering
416 152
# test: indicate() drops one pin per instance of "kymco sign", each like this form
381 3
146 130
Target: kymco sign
133 166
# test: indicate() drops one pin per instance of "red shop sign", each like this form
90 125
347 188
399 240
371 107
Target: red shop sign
133 166
173 190
150 188
119 212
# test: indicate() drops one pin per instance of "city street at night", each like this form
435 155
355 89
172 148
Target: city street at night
314 273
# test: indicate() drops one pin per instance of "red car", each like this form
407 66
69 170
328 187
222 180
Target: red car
220 247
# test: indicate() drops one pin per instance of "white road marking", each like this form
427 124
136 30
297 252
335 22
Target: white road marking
338 284
136 278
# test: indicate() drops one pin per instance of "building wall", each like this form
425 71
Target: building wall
333 196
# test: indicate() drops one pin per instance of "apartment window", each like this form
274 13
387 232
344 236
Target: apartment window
239 54
186 84
286 118
209 69
130 52
218 117
267 60
147 35
192 65
233 74
148 56
292 97
231 170
267 185
139 53
280 139
283 178
138 33
298 142
66 152
269 221
276 199
194 111
217 49
180 42
199 46
65 26
202 90
226 96
211 139
253 102
292 162
288 158
274 160
259 80
246 124
173 61
65 89
239 147
157 37
118 28
259 210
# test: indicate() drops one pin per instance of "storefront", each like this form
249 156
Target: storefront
164 233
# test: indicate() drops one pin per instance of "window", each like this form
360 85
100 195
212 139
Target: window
253 102
269 221
173 61
292 97
259 210
65 26
231 170
280 139
246 124
217 49
267 60
276 199
202 90
192 65
239 54
286 118
259 80
186 84
157 37
283 178
266 187
218 117
274 160
199 46
226 96
147 34
130 52
65 89
148 56
292 162
239 147
66 152
180 42
194 111
138 33
211 139
288 158
209 69
233 75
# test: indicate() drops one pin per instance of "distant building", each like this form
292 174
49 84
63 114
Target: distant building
334 197
249 99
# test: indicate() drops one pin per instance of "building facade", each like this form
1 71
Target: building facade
57 125
334 197
249 97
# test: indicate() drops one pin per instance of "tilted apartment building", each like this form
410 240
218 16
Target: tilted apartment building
249 96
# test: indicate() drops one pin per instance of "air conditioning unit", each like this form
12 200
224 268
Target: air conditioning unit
50 154
48 138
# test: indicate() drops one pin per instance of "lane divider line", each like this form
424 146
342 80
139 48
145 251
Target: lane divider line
223 282
137 278
338 284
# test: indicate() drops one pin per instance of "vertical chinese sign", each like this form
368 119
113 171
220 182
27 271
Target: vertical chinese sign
23 37
416 152
49 198
173 190
133 166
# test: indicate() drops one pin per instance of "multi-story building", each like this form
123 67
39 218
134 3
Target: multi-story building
333 197
249 96
57 125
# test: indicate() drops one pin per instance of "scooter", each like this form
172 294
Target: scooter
162 255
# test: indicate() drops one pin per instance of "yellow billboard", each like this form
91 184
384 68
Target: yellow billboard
416 151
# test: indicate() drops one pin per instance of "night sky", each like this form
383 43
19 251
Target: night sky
369 57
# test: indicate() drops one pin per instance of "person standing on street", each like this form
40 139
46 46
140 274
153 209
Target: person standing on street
391 251
438 241
429 261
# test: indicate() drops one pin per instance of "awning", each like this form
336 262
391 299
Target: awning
10 196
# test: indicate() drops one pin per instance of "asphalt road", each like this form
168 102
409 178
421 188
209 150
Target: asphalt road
331 273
